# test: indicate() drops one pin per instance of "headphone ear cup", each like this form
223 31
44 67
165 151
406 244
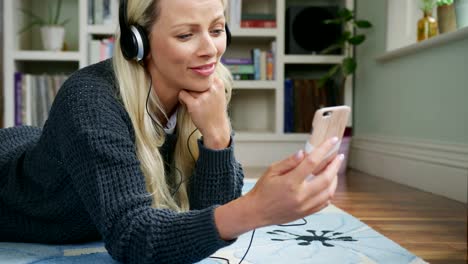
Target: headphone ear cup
128 44
144 40
134 43
228 36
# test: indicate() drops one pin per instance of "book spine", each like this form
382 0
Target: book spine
263 65
243 76
90 12
106 12
241 69
270 66
288 106
258 24
98 12
236 61
18 99
256 54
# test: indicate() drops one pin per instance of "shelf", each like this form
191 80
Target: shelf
267 85
426 44
102 29
243 136
46 56
313 59
255 32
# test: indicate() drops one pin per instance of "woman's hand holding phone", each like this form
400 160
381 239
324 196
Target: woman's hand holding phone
284 193
281 198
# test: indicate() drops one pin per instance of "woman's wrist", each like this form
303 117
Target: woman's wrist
218 139
236 218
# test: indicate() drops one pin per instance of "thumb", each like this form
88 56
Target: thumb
286 165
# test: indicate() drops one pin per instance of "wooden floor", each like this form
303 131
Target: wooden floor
430 226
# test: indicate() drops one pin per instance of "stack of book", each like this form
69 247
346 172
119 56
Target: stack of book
251 14
102 11
241 69
100 49
260 65
34 95
258 20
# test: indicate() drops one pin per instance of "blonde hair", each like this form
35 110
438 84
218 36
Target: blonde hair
133 83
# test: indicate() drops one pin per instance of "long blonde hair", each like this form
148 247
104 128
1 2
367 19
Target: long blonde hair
133 83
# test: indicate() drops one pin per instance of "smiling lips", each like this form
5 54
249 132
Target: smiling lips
205 70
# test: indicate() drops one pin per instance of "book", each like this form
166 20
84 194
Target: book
18 99
258 16
241 69
236 61
243 76
270 62
306 102
258 24
256 56
288 105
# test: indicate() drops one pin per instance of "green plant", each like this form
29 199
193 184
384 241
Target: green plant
347 40
427 5
444 2
52 18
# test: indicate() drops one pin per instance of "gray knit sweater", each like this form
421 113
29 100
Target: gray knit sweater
79 179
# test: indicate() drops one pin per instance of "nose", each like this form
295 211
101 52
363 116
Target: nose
207 46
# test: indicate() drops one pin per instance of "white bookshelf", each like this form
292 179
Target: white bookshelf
312 59
46 56
256 33
257 107
268 85
101 29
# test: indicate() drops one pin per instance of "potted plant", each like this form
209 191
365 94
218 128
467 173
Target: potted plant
52 29
349 39
427 25
446 16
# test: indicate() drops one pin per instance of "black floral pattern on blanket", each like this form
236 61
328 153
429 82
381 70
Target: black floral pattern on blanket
305 240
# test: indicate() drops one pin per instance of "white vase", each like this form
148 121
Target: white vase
52 37
461 9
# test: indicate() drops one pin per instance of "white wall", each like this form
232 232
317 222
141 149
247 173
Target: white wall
411 111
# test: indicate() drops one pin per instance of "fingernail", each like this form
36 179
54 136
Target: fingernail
334 140
341 156
299 155
310 177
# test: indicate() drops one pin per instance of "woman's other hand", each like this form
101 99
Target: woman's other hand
208 112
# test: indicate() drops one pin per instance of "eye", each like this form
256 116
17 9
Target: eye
184 37
217 32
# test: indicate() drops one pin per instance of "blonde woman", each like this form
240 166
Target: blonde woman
138 150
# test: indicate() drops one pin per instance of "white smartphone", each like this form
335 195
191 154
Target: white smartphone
328 122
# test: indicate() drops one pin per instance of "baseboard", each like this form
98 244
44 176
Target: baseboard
439 168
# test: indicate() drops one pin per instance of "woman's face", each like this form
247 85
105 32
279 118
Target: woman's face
187 42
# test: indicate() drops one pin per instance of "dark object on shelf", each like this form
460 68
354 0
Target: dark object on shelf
305 31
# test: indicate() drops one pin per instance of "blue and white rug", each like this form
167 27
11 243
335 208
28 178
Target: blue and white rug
330 236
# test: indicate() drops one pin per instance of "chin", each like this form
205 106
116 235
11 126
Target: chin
201 85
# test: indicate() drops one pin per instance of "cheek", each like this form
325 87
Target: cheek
169 54
221 46
176 55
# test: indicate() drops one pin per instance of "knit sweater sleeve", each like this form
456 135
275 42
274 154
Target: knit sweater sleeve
217 178
98 152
